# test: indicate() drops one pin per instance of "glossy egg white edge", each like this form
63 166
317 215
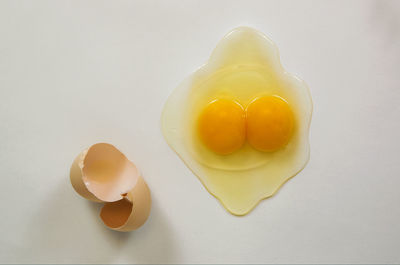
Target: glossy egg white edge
173 129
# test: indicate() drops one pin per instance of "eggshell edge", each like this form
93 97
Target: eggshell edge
76 178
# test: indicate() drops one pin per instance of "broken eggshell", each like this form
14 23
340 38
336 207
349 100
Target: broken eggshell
103 174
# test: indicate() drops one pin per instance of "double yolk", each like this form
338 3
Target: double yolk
267 124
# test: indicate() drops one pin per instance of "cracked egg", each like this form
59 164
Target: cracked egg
240 122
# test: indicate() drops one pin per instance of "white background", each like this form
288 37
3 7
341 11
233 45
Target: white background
74 73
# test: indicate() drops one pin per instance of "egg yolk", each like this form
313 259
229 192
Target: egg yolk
269 123
222 126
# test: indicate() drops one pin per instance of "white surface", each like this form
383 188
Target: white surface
73 73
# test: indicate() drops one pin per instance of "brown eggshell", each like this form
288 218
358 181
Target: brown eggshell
103 174
129 213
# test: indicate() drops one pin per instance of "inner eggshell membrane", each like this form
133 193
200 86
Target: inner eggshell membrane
107 173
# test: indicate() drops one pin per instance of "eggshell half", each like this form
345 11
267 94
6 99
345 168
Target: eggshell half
102 173
129 213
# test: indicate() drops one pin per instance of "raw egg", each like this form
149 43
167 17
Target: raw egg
241 122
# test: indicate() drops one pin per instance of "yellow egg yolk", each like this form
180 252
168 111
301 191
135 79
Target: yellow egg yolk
222 126
269 123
